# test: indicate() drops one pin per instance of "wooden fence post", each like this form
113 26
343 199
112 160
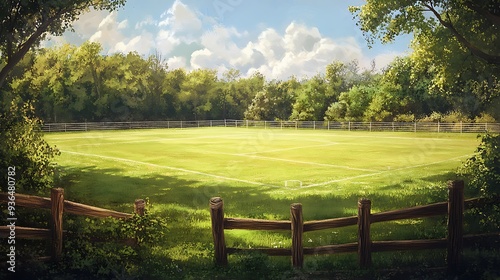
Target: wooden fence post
364 239
139 207
455 225
217 214
297 230
56 210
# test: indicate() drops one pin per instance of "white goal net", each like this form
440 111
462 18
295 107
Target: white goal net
293 184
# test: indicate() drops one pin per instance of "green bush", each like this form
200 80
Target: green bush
111 248
484 118
482 174
434 117
24 151
404 118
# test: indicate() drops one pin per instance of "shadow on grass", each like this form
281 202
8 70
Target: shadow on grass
184 204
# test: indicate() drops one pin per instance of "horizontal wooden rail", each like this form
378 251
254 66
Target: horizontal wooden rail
330 223
91 211
70 207
408 245
454 242
30 201
255 224
58 206
377 246
26 232
411 213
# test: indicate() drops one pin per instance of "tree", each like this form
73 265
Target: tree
312 100
352 104
475 25
157 100
174 81
456 42
274 102
198 93
125 79
26 23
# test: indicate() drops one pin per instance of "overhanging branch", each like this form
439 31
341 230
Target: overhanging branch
489 58
495 19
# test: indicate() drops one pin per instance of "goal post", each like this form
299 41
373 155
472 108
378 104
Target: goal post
293 184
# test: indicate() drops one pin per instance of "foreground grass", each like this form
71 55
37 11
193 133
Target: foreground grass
180 170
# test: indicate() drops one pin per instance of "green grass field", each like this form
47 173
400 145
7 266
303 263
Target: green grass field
327 171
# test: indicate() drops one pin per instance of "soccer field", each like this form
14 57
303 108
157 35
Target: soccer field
259 173
293 161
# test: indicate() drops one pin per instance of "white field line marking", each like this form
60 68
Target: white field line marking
382 172
149 140
292 161
289 149
170 168
374 137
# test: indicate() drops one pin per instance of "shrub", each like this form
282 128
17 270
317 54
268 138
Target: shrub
433 117
405 118
455 117
484 118
482 173
24 149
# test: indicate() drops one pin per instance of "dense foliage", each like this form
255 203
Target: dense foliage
473 25
24 151
482 172
26 23
456 47
77 84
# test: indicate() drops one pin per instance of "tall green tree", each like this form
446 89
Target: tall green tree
174 80
475 25
312 99
27 22
235 94
274 102
198 93
157 100
458 40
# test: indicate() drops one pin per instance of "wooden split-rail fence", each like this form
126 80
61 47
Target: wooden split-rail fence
453 243
58 206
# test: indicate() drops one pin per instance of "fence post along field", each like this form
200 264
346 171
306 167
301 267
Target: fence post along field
217 214
455 225
438 127
58 206
364 239
454 240
297 227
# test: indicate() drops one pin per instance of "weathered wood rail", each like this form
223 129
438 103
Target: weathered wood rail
58 206
454 242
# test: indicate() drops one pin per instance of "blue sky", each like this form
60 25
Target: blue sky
278 38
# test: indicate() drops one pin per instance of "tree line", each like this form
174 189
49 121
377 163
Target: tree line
77 83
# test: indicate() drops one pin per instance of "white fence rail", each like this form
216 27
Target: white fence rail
324 125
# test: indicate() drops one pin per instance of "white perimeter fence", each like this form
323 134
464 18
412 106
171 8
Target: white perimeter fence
323 125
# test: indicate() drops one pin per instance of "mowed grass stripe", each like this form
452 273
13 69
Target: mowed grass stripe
167 167
269 157
180 170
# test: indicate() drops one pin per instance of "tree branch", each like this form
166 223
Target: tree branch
487 14
491 59
14 57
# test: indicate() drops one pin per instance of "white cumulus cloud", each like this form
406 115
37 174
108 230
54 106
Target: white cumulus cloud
191 40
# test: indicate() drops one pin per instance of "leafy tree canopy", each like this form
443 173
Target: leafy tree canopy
26 22
474 24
